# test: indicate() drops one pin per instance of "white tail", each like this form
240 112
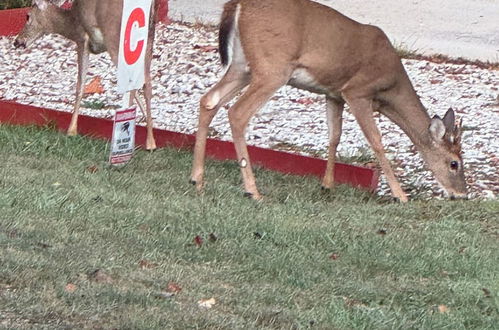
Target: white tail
95 27
268 44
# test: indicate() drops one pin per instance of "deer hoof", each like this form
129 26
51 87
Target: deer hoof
197 184
255 197
403 199
151 146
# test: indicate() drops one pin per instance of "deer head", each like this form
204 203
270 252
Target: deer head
37 24
444 155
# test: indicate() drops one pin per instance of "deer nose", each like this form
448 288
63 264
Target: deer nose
19 44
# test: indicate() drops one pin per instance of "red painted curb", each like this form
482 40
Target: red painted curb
19 114
12 21
162 15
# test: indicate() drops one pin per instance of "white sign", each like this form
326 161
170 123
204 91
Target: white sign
123 141
133 44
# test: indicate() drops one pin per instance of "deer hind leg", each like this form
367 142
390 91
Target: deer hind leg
363 112
334 123
83 58
258 93
224 91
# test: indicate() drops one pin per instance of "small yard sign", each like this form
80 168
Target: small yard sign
123 140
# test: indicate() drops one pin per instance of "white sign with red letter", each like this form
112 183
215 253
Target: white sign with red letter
133 44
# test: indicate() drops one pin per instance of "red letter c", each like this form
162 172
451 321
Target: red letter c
131 56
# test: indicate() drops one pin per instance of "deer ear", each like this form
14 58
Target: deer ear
449 120
437 129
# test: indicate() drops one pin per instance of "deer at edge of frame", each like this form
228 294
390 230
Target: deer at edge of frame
267 44
95 28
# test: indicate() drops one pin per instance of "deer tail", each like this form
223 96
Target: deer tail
228 25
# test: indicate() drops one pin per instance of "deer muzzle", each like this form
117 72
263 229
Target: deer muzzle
18 43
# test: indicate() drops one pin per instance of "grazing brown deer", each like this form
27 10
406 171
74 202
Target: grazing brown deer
267 44
95 28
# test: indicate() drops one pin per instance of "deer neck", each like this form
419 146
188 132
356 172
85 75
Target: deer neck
407 111
66 23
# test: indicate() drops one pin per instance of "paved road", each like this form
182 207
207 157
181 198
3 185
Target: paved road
458 28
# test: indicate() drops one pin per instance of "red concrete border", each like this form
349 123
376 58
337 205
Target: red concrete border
18 114
12 21
162 14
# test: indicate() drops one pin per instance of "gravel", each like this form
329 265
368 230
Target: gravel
186 64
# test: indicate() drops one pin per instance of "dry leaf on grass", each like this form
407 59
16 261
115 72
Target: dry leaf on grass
198 240
95 86
144 264
443 309
173 288
207 303
100 276
334 256
92 169
70 288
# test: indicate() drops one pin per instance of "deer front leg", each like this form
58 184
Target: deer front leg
83 58
224 91
239 115
363 112
150 142
334 122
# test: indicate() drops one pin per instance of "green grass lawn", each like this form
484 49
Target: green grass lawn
83 245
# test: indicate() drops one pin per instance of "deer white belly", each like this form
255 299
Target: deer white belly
302 79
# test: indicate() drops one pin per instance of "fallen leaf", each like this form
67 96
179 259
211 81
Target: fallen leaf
334 256
70 287
100 276
144 264
443 309
94 86
173 288
92 169
207 303
198 240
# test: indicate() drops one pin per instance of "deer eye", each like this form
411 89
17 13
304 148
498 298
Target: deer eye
454 165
